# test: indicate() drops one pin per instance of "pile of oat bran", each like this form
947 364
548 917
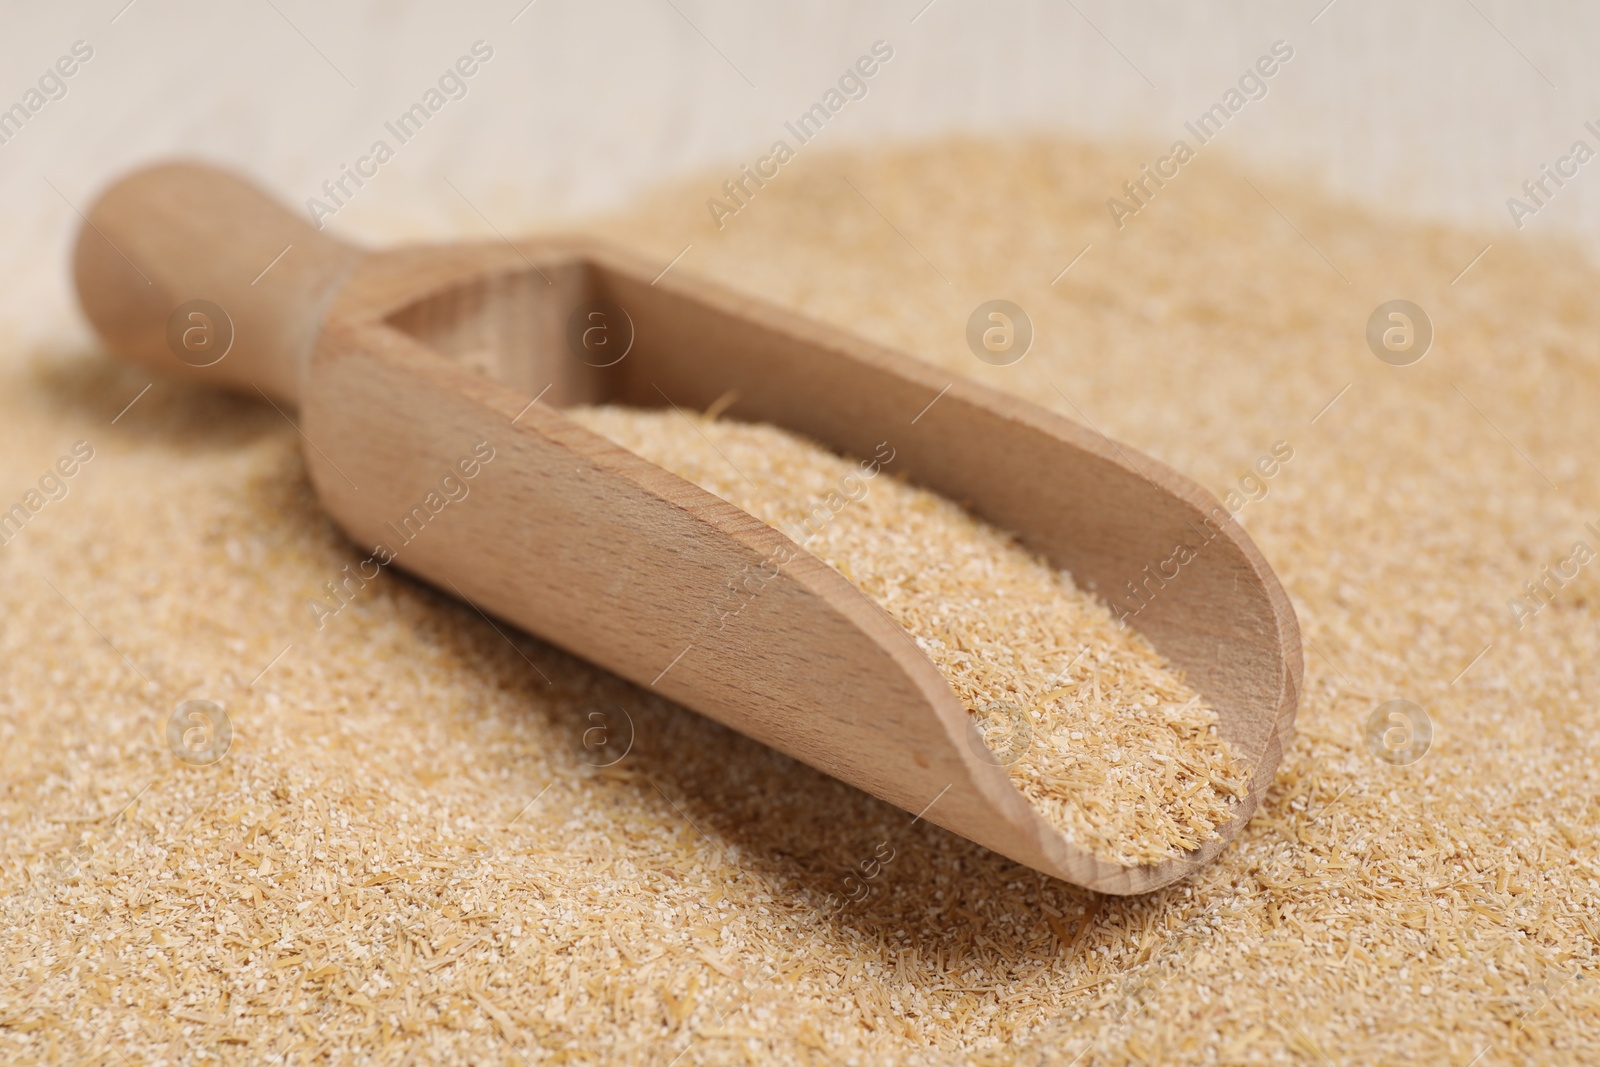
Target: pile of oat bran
404 859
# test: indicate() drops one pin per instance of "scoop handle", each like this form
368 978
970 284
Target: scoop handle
195 271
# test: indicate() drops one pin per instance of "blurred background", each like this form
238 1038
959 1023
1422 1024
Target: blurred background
1440 108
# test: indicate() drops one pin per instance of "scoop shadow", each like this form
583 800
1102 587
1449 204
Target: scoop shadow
85 382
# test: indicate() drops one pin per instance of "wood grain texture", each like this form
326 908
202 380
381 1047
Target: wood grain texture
426 354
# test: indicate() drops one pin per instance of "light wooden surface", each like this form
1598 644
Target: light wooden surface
404 363
1416 108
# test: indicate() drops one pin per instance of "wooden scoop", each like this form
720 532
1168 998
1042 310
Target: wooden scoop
403 363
